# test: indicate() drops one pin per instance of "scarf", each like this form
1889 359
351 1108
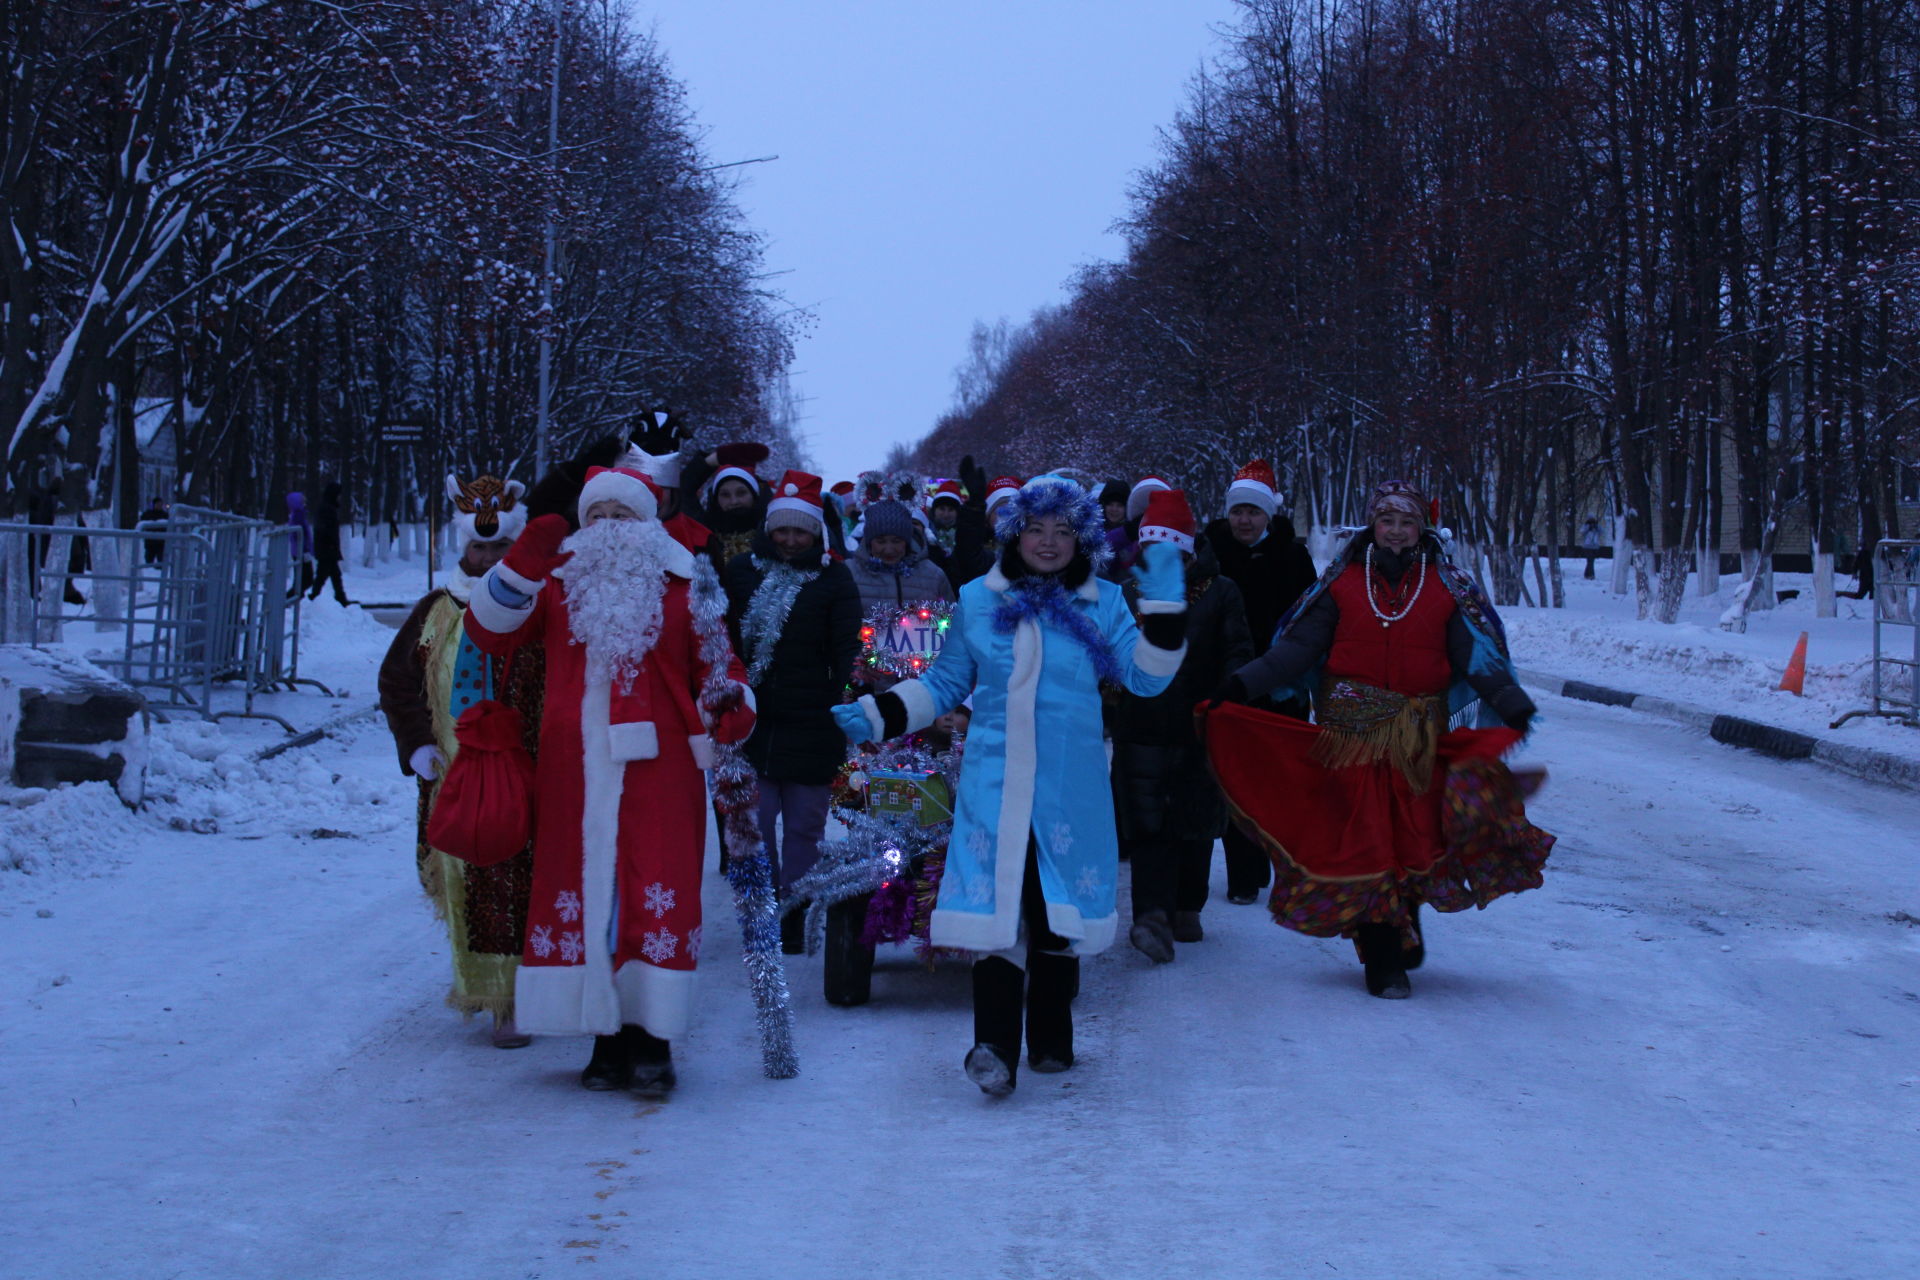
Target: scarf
765 619
1045 601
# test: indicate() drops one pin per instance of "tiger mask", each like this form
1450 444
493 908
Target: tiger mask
487 509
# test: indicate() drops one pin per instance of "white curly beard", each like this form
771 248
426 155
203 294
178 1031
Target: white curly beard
615 583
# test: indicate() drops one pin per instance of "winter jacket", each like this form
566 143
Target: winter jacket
1411 659
326 524
971 554
795 739
1271 574
1162 786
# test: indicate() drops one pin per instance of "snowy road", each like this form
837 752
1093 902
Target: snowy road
1695 1053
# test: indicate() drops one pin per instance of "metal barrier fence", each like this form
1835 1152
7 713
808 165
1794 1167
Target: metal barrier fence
199 599
1896 603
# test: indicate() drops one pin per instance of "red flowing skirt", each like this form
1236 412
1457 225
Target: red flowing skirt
1357 845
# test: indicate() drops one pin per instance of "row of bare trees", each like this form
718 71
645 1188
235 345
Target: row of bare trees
286 228
1651 261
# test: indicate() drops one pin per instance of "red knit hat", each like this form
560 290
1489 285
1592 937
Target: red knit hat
796 503
1003 488
1253 484
1168 518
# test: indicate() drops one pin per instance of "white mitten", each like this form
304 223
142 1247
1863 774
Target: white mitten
428 763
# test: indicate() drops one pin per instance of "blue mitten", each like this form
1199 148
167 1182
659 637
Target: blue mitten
853 721
1162 577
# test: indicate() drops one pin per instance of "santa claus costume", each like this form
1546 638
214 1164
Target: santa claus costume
629 627
432 673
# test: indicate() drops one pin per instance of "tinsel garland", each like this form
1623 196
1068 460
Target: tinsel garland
736 794
881 619
765 619
877 851
1045 601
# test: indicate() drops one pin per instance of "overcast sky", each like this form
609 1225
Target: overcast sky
939 163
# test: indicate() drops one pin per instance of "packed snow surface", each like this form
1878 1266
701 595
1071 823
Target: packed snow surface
1694 1053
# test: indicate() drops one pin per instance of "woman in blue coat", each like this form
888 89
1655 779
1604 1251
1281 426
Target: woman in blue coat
1033 859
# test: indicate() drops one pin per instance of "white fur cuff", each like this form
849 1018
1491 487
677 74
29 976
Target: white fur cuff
634 740
1163 606
875 722
702 747
918 703
494 616
1155 661
525 586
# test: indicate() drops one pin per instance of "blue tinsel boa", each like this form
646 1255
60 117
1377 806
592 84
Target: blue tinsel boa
1047 602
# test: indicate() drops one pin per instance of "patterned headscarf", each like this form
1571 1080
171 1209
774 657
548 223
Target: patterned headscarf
1399 495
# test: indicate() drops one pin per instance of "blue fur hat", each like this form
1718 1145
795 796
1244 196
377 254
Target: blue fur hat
1055 495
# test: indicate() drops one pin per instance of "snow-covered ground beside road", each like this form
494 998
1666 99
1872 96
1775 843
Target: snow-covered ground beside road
1695 1053
1597 638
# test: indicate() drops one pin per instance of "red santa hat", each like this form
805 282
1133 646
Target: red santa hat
1137 498
844 489
796 503
632 490
1168 518
1253 484
1002 489
951 490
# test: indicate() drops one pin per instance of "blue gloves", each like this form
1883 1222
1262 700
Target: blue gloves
1161 575
852 718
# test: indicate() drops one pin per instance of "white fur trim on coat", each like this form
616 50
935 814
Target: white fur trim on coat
1156 661
702 747
918 703
661 1000
493 615
634 740
525 586
876 723
1147 607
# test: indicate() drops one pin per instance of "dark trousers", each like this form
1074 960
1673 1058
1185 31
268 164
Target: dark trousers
1169 875
1248 868
1041 994
329 572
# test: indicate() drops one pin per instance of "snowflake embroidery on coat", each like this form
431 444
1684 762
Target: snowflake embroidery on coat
659 899
540 941
568 906
693 943
1091 883
659 946
1060 836
571 947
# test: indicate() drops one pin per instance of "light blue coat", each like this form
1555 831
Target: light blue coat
1034 762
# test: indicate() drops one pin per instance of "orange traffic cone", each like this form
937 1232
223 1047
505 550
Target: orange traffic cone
1796 675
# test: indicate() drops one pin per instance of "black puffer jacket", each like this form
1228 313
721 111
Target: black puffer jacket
1271 575
795 738
1162 788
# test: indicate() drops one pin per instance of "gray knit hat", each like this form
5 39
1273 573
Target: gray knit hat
888 519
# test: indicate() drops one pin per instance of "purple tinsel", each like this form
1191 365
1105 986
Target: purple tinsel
1046 601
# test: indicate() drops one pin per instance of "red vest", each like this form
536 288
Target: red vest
1408 656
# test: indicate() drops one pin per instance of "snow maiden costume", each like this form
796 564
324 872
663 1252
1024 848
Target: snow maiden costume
1033 851
614 927
1377 808
431 674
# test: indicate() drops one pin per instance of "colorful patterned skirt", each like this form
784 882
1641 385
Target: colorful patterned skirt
1364 834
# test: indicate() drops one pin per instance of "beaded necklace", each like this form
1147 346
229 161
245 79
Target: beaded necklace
1388 619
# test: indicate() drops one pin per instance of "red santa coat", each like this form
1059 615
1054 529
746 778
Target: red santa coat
613 927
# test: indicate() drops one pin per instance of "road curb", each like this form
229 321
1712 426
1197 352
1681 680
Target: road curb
1738 731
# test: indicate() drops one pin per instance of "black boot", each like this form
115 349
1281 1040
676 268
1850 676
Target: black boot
793 930
611 1066
652 1060
1385 963
849 966
1152 936
1416 955
999 989
1051 981
1186 927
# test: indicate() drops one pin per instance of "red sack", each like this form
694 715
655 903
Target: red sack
484 812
